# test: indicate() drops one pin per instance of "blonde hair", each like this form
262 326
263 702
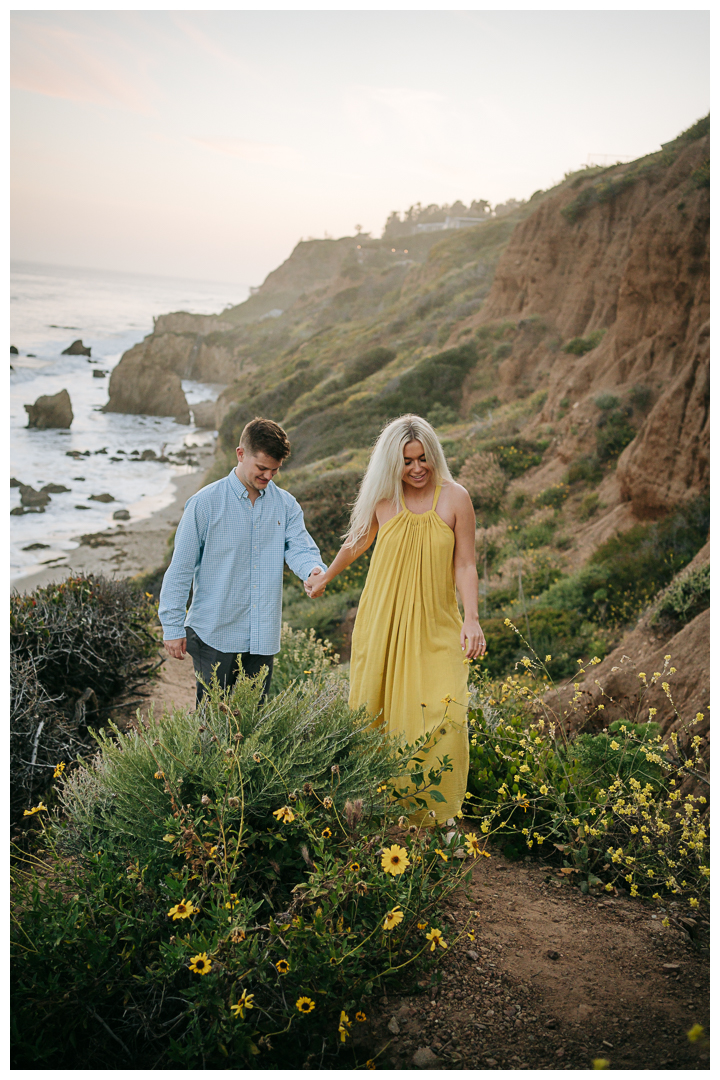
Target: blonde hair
383 476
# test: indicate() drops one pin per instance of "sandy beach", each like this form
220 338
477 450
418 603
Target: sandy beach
125 551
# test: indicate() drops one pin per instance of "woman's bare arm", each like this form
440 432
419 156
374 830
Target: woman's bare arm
472 638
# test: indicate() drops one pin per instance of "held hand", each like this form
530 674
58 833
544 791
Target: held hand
177 647
472 639
315 584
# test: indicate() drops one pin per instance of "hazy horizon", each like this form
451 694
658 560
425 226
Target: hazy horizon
205 145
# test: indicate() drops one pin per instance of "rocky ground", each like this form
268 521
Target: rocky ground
541 976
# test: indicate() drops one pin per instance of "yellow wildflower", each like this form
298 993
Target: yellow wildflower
304 1004
183 910
245 1002
35 809
394 860
472 845
200 964
344 1026
435 938
284 814
59 770
393 918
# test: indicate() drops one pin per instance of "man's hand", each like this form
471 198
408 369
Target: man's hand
177 647
315 584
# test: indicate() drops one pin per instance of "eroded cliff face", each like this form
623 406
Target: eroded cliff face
634 264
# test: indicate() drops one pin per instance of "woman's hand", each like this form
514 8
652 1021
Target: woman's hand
315 584
472 639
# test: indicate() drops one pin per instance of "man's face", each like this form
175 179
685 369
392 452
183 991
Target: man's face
255 470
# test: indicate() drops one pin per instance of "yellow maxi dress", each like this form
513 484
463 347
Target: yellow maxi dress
406 653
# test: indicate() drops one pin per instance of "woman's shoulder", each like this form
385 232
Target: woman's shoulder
454 493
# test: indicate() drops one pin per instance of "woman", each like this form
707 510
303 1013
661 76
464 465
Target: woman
407 660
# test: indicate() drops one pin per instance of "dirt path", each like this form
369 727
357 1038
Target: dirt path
552 980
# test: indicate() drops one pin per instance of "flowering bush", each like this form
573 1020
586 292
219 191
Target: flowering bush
302 656
614 808
240 883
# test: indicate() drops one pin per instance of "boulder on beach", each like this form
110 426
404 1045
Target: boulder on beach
102 498
204 415
50 411
76 349
13 351
148 455
14 482
29 497
98 374
121 515
54 489
146 389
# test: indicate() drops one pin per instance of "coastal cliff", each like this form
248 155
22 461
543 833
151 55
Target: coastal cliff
599 286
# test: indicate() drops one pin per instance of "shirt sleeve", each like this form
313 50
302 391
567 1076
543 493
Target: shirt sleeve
189 543
301 552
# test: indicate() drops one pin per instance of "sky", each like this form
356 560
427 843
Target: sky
206 144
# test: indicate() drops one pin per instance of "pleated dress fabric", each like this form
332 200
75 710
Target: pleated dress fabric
406 654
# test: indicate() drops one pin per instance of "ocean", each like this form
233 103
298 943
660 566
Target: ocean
50 307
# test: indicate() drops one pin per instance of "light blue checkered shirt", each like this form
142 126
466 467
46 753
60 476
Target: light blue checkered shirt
233 554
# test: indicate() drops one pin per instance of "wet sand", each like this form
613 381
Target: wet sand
126 550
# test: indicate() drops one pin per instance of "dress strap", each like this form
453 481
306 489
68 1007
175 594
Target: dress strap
438 489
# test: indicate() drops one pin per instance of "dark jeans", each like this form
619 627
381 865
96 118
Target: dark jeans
204 659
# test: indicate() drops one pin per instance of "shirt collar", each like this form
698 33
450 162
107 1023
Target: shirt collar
240 490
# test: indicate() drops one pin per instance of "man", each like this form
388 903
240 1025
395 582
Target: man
230 544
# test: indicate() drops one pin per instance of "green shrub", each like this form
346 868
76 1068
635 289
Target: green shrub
553 496
608 807
640 397
515 456
578 346
535 536
584 470
367 364
606 401
614 433
233 898
701 176
683 600
87 632
626 571
603 758
589 506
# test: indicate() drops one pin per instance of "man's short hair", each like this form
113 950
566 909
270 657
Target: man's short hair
267 437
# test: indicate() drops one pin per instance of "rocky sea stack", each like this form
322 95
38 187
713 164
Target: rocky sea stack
50 411
148 389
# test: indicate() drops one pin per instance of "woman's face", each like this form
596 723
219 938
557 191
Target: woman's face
416 471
